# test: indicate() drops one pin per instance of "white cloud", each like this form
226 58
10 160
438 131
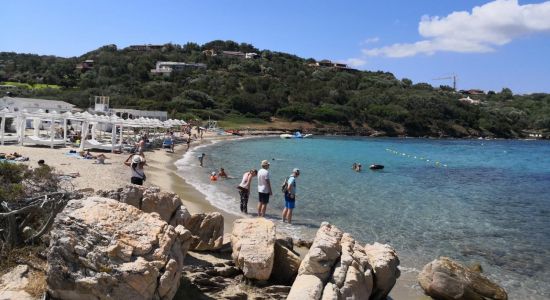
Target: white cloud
355 62
370 41
488 26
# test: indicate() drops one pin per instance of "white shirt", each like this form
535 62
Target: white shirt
263 178
137 172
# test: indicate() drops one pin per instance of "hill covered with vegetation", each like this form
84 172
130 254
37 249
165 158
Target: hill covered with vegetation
272 86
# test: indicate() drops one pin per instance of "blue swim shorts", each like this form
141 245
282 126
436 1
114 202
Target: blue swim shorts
289 202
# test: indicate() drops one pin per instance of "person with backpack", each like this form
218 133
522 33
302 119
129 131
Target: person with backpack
289 189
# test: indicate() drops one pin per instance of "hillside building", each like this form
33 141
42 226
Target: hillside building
167 67
325 63
470 100
85 65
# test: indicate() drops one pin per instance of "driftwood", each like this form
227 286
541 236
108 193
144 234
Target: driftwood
38 213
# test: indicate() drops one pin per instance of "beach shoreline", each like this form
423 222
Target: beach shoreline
164 173
161 171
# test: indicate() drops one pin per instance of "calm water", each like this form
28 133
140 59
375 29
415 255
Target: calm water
471 200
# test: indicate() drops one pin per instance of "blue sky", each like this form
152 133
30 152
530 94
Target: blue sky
487 44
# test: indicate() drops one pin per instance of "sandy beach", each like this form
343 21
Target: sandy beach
161 171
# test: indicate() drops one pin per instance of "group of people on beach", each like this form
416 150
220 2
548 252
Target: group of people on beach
137 163
265 190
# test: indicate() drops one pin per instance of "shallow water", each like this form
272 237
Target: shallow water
472 200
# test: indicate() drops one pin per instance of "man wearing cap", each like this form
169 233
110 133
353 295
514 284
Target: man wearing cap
264 188
290 195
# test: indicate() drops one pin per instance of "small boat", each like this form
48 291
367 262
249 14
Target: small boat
296 135
376 167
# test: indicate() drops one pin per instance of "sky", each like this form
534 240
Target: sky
487 45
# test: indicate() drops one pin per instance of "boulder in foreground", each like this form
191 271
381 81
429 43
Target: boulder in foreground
444 279
207 230
253 243
384 261
104 249
338 267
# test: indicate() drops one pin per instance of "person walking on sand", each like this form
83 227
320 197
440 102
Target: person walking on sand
137 163
244 189
290 195
264 188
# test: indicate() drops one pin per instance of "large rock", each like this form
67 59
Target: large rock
384 262
150 199
13 284
444 278
306 287
104 249
286 264
324 252
344 268
352 276
207 230
253 247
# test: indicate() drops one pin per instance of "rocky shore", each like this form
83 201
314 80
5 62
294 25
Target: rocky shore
142 243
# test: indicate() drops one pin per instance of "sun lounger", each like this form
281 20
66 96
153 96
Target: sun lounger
43 141
94 144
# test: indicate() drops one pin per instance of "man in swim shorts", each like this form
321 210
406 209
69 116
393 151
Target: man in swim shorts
264 188
290 195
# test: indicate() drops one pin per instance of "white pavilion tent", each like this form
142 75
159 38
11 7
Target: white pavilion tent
101 123
5 114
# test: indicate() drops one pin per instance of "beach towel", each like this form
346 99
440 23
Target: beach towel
70 154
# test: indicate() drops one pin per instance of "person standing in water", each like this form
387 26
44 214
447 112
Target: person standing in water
290 195
201 159
264 188
244 189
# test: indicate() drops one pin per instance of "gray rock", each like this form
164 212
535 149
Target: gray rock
352 277
384 262
253 243
306 287
151 200
324 252
13 284
104 249
444 278
207 230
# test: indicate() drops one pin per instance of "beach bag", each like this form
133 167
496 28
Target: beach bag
284 185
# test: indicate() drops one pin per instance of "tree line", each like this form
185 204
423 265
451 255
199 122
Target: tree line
275 85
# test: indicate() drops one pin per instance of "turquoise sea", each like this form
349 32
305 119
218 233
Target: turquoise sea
485 201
